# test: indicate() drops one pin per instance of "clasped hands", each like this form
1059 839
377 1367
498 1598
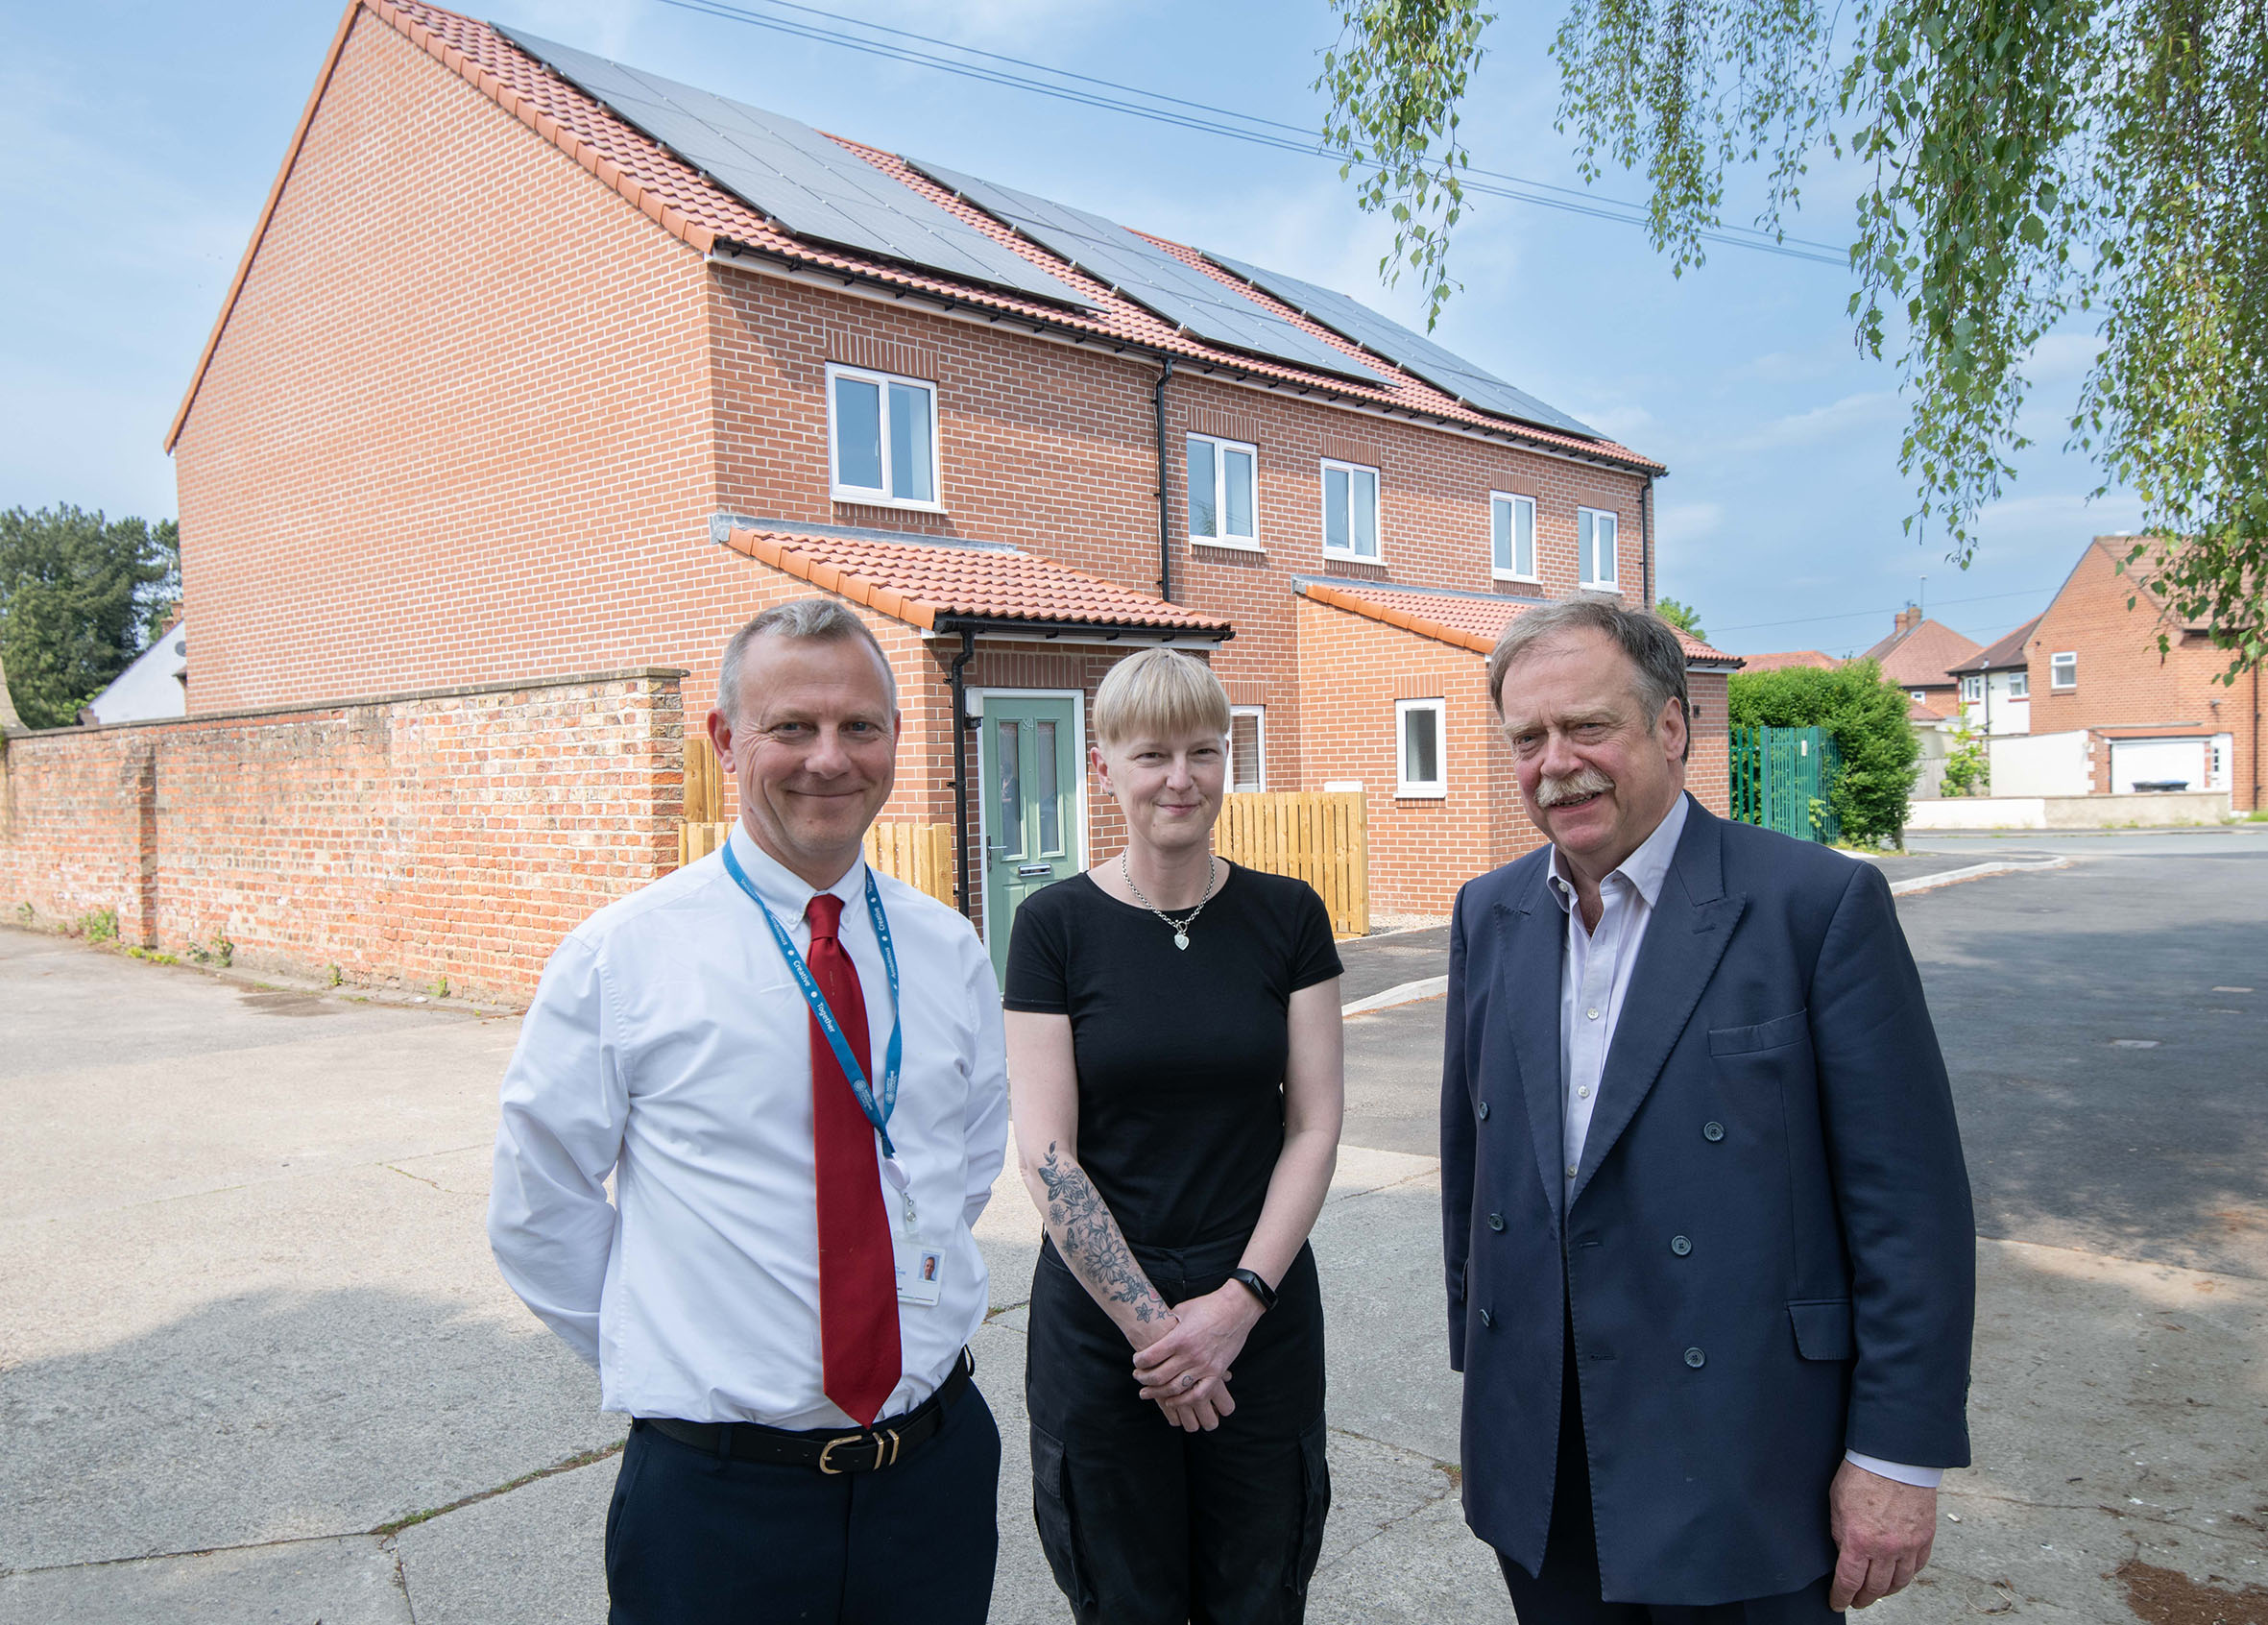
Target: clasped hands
1185 1370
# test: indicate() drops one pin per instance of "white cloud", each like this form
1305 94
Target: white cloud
1689 521
1866 410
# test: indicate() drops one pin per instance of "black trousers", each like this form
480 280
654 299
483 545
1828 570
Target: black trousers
693 1538
1145 1524
1567 1590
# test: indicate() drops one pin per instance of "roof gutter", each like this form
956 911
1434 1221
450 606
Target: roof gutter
971 625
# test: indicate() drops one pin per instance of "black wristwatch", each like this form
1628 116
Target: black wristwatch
1257 1287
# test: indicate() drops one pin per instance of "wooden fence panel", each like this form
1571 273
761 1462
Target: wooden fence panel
704 785
1320 837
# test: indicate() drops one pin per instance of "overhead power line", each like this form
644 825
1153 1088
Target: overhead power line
1858 614
1063 84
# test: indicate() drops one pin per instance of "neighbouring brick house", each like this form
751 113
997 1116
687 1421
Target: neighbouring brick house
1996 682
2094 664
506 387
1917 656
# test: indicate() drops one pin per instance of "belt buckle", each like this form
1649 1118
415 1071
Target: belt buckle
886 1452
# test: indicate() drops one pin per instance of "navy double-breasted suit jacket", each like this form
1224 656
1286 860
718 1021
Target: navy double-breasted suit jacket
1767 1253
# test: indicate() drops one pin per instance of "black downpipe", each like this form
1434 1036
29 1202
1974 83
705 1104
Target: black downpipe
1646 539
1165 512
960 772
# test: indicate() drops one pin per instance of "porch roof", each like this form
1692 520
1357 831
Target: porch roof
951 585
1470 621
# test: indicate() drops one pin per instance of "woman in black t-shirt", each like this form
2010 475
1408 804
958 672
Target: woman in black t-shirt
1176 1081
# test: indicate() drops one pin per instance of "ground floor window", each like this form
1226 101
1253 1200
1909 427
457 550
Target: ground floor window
1417 725
1248 748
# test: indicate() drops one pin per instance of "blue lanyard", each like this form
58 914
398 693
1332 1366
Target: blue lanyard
879 1116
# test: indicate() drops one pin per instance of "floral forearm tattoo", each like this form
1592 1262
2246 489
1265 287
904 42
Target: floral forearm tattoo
1090 1241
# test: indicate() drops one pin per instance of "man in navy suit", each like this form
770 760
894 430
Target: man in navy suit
1710 1251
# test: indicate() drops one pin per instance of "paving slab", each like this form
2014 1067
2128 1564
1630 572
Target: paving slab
351 1581
532 1555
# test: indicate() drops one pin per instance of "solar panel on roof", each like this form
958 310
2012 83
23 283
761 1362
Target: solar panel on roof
1448 372
1150 277
789 171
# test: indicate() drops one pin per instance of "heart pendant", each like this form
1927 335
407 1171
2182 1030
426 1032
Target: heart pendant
1181 940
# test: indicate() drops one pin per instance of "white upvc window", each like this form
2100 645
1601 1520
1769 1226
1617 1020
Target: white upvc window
1418 749
1248 748
1512 537
881 439
1972 689
1350 511
2063 669
1222 491
2020 685
1594 546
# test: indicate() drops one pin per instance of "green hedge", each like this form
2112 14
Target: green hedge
1864 716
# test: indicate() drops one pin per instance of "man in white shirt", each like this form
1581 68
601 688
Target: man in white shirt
794 1070
1707 1225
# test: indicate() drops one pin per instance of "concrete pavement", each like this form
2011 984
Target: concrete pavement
252 1328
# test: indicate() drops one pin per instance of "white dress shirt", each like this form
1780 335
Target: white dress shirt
1594 977
669 1045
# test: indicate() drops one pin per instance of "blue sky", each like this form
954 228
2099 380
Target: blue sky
143 139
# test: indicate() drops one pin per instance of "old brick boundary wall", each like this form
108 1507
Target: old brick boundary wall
454 834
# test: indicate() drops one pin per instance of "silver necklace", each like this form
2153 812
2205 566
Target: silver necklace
1180 927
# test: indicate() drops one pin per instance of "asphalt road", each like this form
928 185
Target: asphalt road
2111 1098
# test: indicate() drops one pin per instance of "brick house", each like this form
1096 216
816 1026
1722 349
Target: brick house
1916 657
507 385
2093 664
1996 682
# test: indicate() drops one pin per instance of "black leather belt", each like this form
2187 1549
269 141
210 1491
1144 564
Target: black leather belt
868 1450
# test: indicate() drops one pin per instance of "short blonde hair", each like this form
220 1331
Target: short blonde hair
1159 693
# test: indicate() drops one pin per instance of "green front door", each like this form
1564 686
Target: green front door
1031 806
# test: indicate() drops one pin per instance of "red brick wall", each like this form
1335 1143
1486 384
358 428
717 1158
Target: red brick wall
456 835
457 429
2125 682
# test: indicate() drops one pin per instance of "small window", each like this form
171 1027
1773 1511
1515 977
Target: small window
1247 749
2020 685
1594 546
1220 491
1417 725
1973 689
882 431
1920 696
2062 671
1350 509
1512 529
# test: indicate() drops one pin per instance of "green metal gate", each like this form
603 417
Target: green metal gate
1782 777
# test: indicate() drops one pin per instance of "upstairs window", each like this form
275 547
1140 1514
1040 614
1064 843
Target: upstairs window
1350 511
1417 726
1512 530
1594 546
2020 685
1973 689
1248 748
1220 491
883 438
2062 671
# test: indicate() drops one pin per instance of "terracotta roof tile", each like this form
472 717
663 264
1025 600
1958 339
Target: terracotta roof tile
690 206
1920 657
935 584
1470 621
1784 659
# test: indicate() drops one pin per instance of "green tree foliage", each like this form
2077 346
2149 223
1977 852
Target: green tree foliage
2019 162
80 597
1684 616
1968 765
1863 715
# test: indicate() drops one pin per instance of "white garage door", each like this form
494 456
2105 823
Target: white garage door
2145 762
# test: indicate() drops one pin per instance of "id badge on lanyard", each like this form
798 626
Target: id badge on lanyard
918 1267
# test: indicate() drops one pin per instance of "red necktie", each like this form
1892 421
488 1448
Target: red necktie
859 1358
